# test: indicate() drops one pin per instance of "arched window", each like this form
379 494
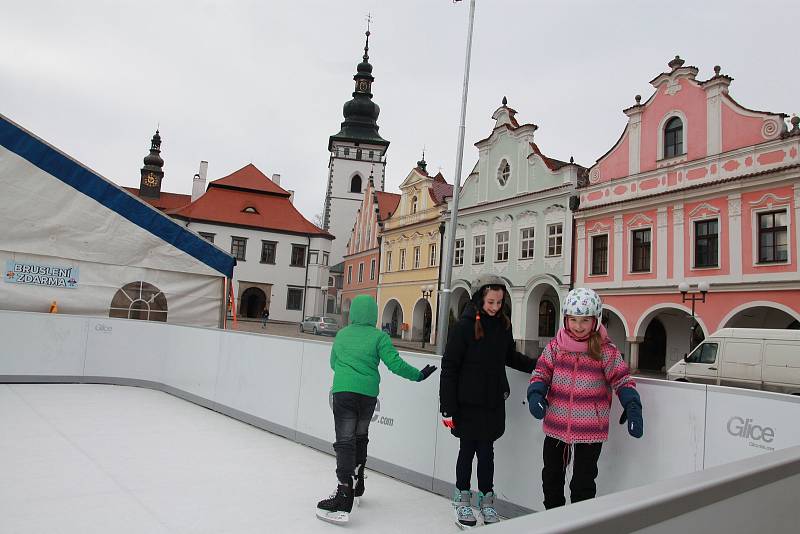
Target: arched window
673 138
547 319
414 204
355 184
503 172
139 300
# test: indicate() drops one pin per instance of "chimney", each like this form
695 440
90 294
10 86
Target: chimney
199 182
291 196
277 179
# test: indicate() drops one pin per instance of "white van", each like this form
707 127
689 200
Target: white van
756 358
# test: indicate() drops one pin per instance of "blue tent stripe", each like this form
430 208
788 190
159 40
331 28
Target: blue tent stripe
75 175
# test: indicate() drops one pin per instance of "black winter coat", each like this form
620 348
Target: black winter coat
473 385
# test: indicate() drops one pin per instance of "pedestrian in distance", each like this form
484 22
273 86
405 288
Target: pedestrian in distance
264 317
357 350
473 389
571 389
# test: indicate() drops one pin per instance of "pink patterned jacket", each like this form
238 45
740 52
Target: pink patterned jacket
579 393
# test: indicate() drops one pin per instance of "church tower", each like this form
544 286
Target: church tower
152 172
355 152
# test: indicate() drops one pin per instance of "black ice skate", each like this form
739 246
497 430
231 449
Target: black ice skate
358 489
337 508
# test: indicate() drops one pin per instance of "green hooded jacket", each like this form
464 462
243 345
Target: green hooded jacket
359 347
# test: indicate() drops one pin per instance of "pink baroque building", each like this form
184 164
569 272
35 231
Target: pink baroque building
698 189
362 256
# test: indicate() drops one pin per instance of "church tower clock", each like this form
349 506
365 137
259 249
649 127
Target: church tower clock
356 152
152 172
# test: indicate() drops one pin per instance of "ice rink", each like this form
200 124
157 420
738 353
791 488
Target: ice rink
80 458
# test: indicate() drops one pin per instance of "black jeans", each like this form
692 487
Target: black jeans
469 449
352 413
556 455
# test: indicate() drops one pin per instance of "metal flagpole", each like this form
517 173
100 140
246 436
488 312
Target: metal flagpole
443 303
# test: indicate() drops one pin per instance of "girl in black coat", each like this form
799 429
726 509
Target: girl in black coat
473 389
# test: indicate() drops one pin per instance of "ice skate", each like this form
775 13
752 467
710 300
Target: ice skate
336 509
465 517
486 506
358 489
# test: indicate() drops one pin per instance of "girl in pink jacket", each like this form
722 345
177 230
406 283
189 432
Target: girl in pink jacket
571 390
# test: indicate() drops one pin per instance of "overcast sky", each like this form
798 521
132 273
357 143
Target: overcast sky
236 82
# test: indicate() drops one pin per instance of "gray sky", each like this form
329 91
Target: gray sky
236 82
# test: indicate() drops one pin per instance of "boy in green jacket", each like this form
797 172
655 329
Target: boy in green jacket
356 352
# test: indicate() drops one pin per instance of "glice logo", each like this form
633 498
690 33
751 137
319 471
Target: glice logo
744 428
103 328
378 418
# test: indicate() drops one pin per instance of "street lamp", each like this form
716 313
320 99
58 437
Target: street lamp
427 291
688 294
324 298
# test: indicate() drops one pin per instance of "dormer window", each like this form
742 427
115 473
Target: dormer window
673 138
249 209
355 184
503 173
414 204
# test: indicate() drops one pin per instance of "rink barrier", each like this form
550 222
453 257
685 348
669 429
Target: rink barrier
757 494
282 385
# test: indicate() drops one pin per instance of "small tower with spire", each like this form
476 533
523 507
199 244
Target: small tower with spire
356 151
153 171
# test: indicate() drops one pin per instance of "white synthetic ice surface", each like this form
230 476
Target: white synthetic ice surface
113 459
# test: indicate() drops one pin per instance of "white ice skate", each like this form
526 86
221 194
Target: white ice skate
336 517
358 487
336 509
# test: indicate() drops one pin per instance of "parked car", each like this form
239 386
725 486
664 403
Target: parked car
756 358
320 325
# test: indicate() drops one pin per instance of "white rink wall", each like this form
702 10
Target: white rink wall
283 384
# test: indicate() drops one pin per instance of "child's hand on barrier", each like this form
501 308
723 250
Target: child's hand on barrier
632 411
426 372
633 414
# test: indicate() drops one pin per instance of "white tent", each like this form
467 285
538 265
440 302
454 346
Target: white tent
69 235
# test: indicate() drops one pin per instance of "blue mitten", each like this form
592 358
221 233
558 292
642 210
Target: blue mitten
632 411
537 403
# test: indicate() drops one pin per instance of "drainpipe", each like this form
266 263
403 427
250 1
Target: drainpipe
378 274
305 280
574 204
439 275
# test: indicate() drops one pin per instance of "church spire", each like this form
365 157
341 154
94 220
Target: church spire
153 171
361 113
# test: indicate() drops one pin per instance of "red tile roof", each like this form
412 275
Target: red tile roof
552 163
226 199
387 204
440 189
167 201
249 178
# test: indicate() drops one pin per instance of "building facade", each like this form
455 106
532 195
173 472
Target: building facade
514 221
362 260
282 258
698 189
410 257
356 153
